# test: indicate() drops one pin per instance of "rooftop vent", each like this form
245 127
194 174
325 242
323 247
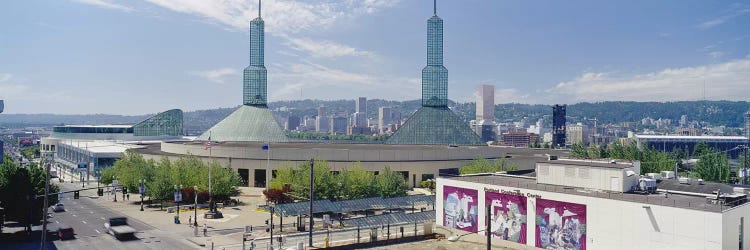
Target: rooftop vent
552 157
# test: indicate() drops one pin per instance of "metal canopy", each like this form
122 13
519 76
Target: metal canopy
392 218
346 206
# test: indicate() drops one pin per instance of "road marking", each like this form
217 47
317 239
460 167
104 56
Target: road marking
75 215
84 222
97 231
102 218
57 222
92 212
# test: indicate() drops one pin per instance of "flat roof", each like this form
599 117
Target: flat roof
101 147
691 137
695 202
592 163
95 126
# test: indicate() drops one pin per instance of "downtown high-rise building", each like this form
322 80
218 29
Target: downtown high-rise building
485 103
359 118
322 124
484 125
434 122
384 118
558 126
747 124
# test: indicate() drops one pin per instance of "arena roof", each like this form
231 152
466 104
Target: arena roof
247 123
435 125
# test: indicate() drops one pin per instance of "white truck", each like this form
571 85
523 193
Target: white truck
118 227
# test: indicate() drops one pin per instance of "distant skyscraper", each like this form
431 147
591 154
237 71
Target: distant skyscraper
322 110
255 75
292 122
747 124
384 118
484 125
683 121
434 122
338 125
2 106
485 103
359 118
558 126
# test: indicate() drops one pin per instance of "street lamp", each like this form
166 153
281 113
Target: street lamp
195 208
142 190
114 187
178 198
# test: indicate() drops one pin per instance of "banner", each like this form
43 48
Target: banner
460 208
560 225
508 216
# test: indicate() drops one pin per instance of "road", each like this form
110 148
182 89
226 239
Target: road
87 217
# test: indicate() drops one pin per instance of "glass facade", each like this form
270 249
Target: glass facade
255 76
167 123
93 130
435 126
435 75
435 123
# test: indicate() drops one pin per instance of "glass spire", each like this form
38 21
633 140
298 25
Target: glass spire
255 77
435 75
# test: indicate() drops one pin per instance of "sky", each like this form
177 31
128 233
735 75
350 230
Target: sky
146 56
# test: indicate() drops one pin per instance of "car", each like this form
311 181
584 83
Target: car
59 207
66 233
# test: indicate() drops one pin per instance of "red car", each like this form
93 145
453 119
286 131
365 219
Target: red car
66 233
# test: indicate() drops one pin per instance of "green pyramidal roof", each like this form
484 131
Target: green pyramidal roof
434 125
247 123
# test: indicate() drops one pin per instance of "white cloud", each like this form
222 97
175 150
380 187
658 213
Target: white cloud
216 75
735 11
311 80
324 48
716 54
107 4
281 16
726 81
5 77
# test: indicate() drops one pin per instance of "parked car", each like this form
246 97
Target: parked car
59 207
66 233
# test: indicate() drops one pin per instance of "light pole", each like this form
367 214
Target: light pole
114 188
142 190
178 198
195 208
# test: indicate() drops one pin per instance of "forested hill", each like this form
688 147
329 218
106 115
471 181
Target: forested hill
728 113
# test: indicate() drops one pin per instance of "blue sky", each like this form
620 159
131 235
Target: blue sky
146 56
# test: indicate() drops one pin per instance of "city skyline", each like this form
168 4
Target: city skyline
185 55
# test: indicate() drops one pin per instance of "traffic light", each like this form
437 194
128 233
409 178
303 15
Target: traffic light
75 195
100 192
124 190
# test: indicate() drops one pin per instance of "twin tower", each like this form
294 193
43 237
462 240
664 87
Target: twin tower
434 123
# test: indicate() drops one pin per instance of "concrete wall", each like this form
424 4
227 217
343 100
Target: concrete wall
616 224
730 230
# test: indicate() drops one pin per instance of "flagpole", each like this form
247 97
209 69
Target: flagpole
210 161
268 167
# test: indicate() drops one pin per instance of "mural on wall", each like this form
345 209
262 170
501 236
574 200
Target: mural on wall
508 216
560 225
460 208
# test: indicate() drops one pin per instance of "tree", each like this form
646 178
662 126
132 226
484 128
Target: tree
578 151
20 187
390 183
713 167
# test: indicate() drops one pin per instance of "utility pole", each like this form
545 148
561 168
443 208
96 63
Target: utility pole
312 197
46 201
489 226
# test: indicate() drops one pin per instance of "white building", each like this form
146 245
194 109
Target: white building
573 204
